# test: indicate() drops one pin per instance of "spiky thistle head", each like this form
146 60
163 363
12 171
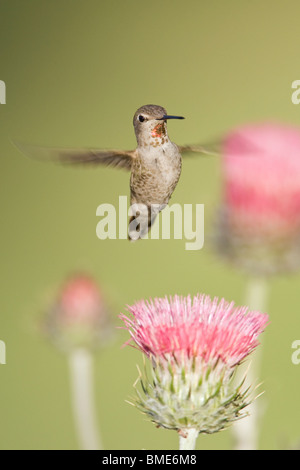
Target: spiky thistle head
258 227
194 346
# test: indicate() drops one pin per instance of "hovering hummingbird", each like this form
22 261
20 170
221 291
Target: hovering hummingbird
155 164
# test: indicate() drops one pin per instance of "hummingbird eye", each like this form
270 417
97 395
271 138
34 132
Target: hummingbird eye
141 118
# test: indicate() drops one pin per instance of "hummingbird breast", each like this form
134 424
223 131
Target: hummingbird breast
155 174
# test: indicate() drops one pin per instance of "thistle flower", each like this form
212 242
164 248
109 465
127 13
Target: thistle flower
194 347
259 222
77 323
78 317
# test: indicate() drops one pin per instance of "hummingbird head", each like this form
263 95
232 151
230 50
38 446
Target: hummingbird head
150 125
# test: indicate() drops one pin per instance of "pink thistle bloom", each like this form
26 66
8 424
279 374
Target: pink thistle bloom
80 299
203 328
194 347
79 315
260 219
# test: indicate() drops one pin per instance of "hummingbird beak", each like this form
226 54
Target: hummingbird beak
167 116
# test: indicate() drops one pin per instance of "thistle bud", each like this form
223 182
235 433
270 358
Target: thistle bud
78 317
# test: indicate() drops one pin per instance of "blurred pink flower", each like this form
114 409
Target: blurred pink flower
81 299
259 224
194 347
79 315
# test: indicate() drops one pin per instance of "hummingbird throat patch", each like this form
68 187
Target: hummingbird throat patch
159 130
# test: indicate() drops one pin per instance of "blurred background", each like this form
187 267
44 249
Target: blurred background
75 72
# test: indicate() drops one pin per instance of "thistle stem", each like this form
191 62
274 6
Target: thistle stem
82 394
256 294
246 431
188 442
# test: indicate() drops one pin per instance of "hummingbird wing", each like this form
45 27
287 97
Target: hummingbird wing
208 149
114 158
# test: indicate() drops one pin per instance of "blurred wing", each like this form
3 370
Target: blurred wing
210 149
115 158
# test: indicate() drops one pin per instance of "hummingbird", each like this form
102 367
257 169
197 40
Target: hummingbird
155 164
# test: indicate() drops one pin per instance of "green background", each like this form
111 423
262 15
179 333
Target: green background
76 71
